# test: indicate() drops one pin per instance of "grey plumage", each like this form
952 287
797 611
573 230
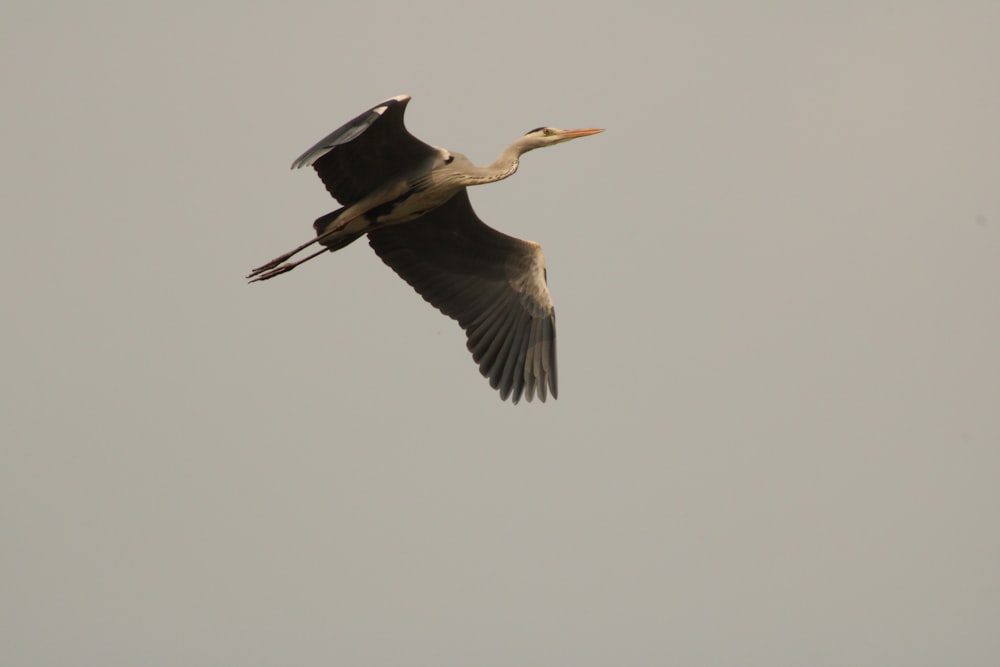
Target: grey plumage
410 198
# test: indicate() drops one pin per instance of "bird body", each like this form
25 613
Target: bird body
403 199
410 199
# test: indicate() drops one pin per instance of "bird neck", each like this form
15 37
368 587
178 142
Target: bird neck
505 165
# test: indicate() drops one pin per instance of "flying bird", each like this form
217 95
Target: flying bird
410 198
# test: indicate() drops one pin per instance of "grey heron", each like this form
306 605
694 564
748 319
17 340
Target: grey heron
410 199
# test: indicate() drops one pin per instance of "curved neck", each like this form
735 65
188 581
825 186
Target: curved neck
505 165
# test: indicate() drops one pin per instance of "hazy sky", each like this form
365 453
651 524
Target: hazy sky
777 278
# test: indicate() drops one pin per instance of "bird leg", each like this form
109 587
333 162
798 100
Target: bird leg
282 258
272 268
278 270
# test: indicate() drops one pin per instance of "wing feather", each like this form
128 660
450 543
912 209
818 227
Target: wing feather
491 363
362 154
513 355
491 283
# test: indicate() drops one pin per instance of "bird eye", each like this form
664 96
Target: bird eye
547 131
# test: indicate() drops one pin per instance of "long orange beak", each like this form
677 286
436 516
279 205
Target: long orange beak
585 132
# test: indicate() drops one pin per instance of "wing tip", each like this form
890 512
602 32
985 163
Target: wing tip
351 129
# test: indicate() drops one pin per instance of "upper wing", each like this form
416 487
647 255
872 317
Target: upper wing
362 154
493 284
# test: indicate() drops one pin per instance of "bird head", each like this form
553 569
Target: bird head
549 136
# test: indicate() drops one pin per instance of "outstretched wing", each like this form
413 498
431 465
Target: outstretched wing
364 153
493 284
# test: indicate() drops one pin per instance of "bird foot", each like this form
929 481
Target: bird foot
270 265
264 274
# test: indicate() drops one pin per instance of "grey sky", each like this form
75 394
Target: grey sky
777 279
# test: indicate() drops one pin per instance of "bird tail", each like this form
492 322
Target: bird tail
337 240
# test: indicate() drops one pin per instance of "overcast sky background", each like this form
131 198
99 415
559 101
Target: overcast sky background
777 278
